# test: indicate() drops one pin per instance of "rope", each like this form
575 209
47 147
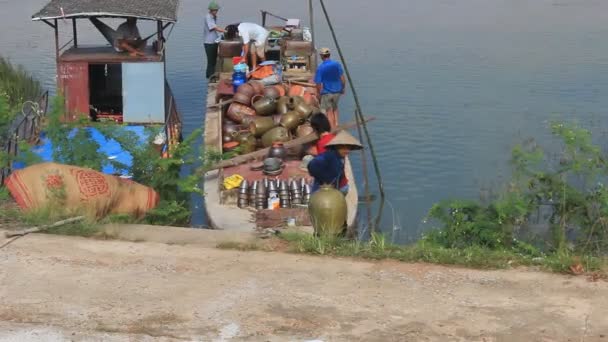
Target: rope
361 126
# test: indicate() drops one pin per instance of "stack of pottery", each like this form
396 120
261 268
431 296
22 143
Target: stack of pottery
262 115
243 199
260 197
296 193
252 192
306 194
284 195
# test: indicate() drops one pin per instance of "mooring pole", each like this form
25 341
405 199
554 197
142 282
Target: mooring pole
75 32
311 14
57 51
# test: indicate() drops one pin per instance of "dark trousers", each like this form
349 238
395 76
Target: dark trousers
211 51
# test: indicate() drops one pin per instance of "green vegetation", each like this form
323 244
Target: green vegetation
378 248
497 234
16 87
571 188
72 145
16 84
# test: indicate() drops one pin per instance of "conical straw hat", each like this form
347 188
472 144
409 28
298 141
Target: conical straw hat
345 138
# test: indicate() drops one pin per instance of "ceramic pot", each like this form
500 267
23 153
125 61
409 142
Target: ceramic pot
237 112
242 98
246 89
261 125
294 101
277 119
272 164
277 150
327 209
304 130
230 129
247 142
281 89
275 134
272 92
291 120
296 90
258 87
282 106
304 109
264 105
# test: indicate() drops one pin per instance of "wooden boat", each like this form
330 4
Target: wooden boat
297 56
101 84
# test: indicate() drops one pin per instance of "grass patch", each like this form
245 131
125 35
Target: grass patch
12 218
377 248
240 246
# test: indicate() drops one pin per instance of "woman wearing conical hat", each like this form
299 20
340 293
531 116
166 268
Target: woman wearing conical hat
328 167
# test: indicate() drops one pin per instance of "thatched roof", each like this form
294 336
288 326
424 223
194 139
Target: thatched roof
165 10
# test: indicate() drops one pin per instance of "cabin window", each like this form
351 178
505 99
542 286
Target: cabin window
105 84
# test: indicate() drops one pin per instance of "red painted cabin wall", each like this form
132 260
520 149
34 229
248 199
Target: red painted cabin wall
74 85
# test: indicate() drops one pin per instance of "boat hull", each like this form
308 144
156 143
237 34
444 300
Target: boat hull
228 216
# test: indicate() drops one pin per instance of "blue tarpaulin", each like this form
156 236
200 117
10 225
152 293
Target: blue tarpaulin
109 147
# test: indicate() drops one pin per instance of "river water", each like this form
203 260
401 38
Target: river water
452 84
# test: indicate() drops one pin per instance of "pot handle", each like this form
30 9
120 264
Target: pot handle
255 97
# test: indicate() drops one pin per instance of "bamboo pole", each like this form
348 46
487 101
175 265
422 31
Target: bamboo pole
45 227
263 152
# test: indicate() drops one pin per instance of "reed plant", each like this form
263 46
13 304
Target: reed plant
17 85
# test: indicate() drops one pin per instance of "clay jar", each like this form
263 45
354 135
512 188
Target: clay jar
264 105
238 112
282 105
244 94
242 98
291 120
304 109
272 92
247 142
275 134
261 125
277 150
304 130
327 208
257 86
294 101
230 129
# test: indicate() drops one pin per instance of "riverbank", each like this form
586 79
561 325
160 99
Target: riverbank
57 287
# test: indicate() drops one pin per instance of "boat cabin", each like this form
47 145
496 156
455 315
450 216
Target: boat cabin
105 82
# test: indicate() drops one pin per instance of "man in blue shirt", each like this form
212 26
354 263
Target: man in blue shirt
330 85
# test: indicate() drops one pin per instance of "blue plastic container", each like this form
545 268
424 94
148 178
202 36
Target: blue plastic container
239 76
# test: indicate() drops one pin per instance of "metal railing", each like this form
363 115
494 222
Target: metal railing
173 122
25 128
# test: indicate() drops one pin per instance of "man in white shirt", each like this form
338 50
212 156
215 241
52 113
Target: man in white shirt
252 34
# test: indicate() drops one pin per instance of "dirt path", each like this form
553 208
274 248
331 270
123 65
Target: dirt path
56 288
